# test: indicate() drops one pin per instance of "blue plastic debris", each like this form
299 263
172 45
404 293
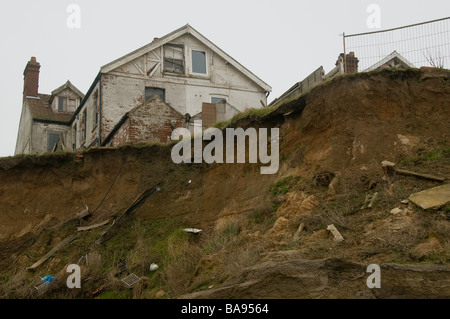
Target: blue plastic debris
48 280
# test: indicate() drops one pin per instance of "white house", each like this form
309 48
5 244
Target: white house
45 118
183 68
187 72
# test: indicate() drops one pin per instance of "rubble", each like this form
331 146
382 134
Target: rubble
432 198
337 235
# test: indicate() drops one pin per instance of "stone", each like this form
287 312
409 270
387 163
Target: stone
396 211
432 198
279 229
153 267
387 164
337 236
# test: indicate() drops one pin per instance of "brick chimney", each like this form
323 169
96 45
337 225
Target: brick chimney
351 63
31 78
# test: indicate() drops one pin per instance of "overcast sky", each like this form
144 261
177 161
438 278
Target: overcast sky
281 41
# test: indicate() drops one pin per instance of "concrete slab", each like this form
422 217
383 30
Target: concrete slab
432 198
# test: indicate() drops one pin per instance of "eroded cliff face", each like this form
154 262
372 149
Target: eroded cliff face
332 142
286 275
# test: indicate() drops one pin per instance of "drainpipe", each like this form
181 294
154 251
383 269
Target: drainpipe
99 142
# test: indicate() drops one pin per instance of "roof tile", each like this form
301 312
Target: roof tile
41 110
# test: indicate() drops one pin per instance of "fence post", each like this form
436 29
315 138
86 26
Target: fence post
345 55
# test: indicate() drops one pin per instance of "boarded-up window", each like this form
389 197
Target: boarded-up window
52 139
71 105
61 104
151 91
174 58
208 114
198 62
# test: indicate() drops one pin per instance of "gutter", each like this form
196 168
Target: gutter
97 78
51 122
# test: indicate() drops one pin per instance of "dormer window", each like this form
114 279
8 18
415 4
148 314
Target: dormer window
66 104
62 104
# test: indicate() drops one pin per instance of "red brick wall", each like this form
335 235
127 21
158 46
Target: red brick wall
151 122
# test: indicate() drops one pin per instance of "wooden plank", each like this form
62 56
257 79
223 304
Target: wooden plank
130 210
52 252
93 226
426 176
138 67
208 114
152 71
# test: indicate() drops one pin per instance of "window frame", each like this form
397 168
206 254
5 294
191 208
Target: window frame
219 98
84 126
74 137
94 111
48 140
74 103
163 98
165 59
206 63
62 100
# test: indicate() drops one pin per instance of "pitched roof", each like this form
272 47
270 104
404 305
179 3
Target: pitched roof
388 58
127 115
41 111
187 29
69 85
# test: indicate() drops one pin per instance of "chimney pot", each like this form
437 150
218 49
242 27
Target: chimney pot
33 59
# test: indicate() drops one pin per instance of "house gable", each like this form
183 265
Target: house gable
149 60
66 98
394 59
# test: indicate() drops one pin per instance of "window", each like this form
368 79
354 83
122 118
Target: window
83 125
174 58
74 137
151 91
95 110
52 140
217 99
71 105
62 101
198 62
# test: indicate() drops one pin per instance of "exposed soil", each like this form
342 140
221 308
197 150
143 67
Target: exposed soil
332 142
